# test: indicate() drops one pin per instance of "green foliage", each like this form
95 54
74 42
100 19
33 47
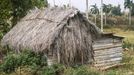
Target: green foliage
128 4
5 9
132 10
111 73
129 45
94 9
55 69
116 10
107 8
12 11
20 7
84 71
26 58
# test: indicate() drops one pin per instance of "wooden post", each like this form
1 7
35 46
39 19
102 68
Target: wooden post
102 15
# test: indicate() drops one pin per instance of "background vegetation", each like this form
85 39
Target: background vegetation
12 11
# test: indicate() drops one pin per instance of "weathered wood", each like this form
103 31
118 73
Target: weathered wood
106 64
112 66
108 46
107 41
108 52
51 61
107 58
110 60
108 49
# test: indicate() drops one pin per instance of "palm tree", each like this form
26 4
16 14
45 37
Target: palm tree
107 9
128 4
94 10
116 10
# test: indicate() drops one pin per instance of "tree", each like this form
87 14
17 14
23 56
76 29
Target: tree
102 15
128 4
132 11
5 14
13 10
94 10
116 11
107 9
20 7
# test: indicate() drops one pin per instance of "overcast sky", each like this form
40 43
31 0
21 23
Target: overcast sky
80 4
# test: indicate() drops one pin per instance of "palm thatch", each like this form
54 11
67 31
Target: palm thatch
64 34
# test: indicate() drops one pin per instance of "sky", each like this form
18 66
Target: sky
80 4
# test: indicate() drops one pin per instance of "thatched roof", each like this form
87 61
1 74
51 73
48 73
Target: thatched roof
54 31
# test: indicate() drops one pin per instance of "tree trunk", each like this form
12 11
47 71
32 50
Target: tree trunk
95 20
102 15
129 16
105 19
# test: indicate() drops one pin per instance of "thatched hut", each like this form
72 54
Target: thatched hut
64 35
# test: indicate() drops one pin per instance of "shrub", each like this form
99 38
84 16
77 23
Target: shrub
26 58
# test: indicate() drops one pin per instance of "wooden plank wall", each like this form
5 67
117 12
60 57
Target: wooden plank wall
107 53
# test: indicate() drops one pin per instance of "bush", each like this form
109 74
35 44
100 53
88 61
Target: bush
30 63
26 58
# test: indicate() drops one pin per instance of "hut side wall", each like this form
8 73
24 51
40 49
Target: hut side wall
108 52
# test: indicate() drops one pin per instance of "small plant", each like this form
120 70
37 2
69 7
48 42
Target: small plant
85 71
81 70
55 69
111 73
127 44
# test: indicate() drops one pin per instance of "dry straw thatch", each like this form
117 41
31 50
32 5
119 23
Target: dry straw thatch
64 34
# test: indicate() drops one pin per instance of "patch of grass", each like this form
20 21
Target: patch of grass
82 70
